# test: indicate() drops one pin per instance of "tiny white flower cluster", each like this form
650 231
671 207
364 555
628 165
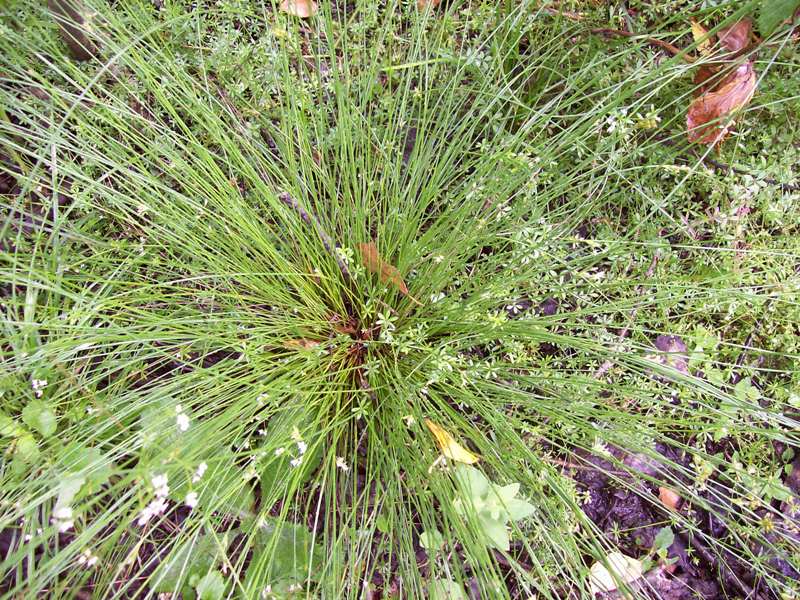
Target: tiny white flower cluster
266 593
191 499
201 470
62 517
342 464
38 386
302 446
87 559
182 418
158 504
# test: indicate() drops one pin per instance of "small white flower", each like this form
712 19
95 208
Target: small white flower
183 421
279 451
38 386
156 507
63 513
160 487
87 559
295 462
341 463
178 408
201 469
64 526
62 517
302 447
191 499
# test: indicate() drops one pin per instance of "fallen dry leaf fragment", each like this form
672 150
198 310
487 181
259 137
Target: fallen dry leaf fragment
737 36
707 119
299 8
675 353
423 4
698 33
300 344
375 264
449 446
620 568
669 497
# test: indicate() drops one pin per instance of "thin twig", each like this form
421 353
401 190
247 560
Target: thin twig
786 187
674 50
309 220
725 168
727 573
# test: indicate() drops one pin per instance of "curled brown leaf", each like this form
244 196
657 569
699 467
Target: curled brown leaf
300 344
375 264
669 497
299 8
707 119
423 4
737 36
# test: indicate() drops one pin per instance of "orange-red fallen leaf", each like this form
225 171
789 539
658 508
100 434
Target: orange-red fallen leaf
422 4
706 120
670 568
299 8
375 264
701 78
669 497
737 36
300 344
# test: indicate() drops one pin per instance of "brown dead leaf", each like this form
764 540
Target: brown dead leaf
299 8
702 77
375 264
706 120
423 4
669 497
300 344
737 36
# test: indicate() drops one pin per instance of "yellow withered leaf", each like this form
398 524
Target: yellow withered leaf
698 33
449 446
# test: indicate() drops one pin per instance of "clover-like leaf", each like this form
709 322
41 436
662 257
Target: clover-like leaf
519 509
211 586
775 12
37 415
496 532
431 539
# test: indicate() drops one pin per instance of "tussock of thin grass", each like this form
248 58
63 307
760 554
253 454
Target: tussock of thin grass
183 315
